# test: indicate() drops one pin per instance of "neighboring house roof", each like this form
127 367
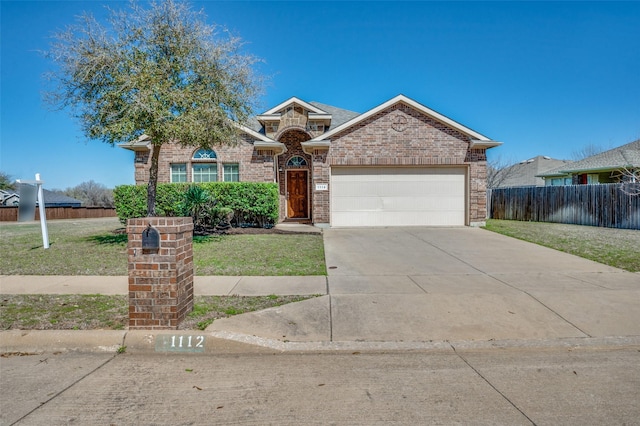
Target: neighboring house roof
9 198
51 199
625 156
57 199
526 173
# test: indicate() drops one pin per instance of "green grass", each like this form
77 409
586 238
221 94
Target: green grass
82 247
260 254
89 312
63 312
99 247
614 247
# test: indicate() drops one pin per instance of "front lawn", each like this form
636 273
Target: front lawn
98 247
614 247
96 311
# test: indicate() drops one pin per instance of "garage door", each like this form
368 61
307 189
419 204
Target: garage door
397 196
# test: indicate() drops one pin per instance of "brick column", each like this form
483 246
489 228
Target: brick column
160 281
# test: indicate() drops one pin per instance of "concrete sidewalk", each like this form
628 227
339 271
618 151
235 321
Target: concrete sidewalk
202 286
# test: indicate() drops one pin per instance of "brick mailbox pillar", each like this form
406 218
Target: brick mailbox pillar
160 272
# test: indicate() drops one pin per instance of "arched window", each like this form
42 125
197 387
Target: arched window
296 161
204 154
204 166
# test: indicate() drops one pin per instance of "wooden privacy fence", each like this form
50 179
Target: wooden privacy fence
10 214
596 205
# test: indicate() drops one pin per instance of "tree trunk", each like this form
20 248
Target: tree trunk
153 181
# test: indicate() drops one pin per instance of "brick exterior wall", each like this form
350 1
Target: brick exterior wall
396 136
252 166
160 284
402 136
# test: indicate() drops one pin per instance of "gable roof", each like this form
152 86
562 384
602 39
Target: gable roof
290 101
625 156
479 140
526 173
341 119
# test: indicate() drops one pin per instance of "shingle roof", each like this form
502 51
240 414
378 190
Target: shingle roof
525 173
57 198
51 197
338 115
623 156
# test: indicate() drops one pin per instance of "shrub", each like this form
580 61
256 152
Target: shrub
253 203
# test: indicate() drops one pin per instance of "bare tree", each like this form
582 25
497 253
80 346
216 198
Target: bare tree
499 171
629 181
586 151
161 72
92 194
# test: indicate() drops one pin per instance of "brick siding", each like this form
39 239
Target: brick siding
160 284
252 166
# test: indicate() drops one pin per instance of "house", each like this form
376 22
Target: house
51 199
525 173
398 164
9 198
612 166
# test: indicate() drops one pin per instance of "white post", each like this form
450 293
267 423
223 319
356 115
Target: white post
43 214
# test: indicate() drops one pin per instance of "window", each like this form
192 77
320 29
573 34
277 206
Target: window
315 126
205 154
178 173
296 161
205 172
231 173
204 166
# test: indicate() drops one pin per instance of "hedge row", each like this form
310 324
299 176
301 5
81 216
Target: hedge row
253 203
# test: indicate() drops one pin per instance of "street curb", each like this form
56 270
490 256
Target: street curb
223 342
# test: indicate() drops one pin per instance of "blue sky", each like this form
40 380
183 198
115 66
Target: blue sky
545 78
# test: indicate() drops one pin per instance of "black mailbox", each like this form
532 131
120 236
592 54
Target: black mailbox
150 240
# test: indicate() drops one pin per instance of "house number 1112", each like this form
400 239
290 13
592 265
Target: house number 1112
199 340
179 343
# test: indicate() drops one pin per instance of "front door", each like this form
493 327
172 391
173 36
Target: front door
297 205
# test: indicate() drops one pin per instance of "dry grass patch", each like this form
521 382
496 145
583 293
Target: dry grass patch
614 247
95 311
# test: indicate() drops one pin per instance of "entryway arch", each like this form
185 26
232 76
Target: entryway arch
294 174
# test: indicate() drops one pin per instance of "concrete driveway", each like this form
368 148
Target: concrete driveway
433 284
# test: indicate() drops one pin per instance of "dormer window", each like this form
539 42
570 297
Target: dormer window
315 126
271 127
289 111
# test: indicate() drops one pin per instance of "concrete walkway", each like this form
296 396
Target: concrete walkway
409 287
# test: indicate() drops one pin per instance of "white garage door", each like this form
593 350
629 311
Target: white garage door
397 196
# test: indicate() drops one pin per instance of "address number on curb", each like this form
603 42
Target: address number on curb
179 343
